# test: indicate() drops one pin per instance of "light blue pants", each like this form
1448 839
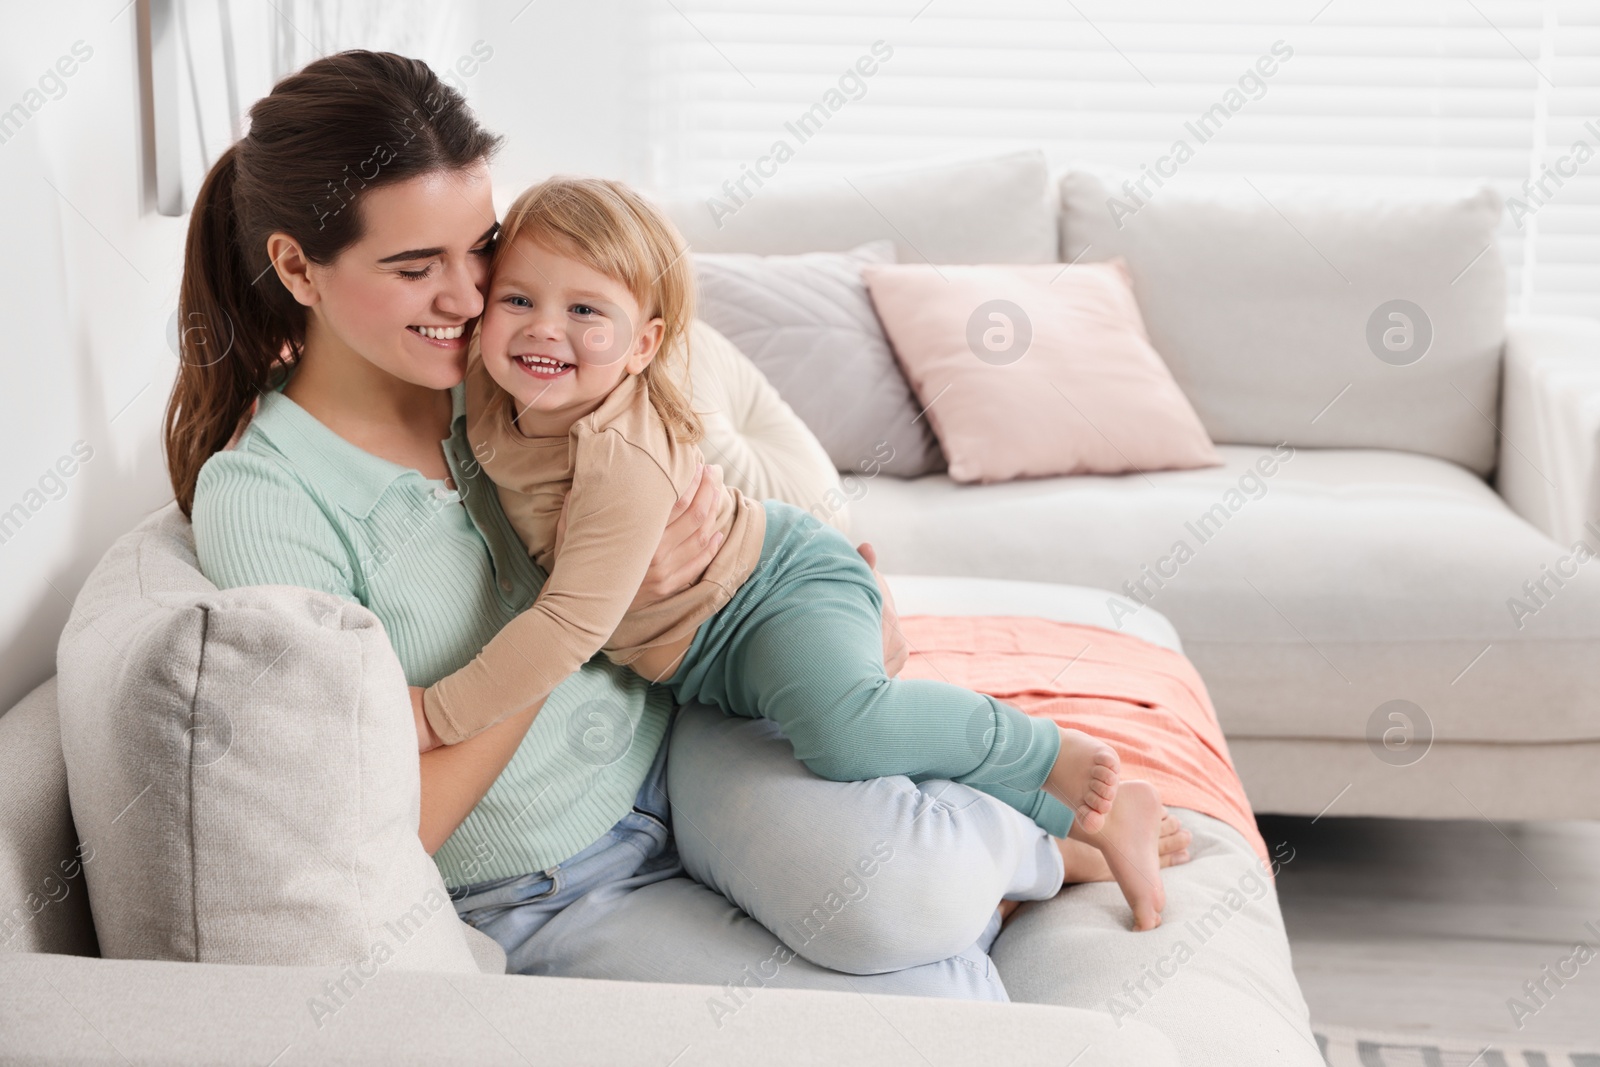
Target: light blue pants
882 886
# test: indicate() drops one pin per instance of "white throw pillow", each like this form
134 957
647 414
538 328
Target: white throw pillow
244 765
1347 316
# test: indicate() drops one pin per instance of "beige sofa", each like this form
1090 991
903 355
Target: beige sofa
1397 619
267 828
1092 991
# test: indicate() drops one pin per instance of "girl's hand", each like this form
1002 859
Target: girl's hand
689 542
427 740
895 648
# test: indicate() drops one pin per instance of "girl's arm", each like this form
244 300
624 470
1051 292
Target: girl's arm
690 542
618 507
456 777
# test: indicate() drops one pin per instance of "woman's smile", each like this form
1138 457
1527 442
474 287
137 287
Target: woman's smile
447 337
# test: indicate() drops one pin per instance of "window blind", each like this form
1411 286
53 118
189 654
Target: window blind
1391 91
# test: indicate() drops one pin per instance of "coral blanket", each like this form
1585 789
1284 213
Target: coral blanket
1146 701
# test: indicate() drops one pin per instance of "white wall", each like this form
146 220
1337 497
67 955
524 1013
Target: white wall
88 282
564 87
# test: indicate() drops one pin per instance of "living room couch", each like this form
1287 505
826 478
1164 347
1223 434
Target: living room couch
1388 586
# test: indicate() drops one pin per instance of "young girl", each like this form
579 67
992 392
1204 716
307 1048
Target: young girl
576 410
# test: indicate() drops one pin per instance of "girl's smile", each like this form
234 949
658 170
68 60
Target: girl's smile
544 368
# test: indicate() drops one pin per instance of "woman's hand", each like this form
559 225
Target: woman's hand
895 648
689 542
427 740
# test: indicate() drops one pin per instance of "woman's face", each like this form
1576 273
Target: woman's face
404 297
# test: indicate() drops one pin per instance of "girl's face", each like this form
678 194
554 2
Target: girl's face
404 296
559 336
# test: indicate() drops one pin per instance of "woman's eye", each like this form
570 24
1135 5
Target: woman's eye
415 275
485 249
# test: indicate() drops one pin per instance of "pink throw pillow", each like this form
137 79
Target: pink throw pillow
1037 369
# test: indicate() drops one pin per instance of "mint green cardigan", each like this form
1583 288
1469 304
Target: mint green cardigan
296 504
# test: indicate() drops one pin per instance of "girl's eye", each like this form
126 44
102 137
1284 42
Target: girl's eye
583 309
519 301
416 275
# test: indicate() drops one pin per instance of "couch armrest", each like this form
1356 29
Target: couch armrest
1550 415
44 903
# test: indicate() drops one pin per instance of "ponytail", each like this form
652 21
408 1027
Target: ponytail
229 340
302 170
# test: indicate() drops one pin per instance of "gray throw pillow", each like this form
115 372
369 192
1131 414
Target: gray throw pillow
808 325
243 764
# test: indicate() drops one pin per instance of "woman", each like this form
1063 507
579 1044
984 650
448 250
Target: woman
334 268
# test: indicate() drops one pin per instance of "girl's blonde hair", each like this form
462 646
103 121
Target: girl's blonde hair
612 229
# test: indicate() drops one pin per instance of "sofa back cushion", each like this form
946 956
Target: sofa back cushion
243 764
1314 316
993 210
765 451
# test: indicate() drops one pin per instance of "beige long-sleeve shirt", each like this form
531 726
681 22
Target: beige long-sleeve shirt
619 473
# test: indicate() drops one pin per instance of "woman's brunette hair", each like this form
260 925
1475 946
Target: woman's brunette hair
612 229
324 135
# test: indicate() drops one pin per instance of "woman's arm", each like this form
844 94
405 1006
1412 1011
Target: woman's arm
456 777
895 648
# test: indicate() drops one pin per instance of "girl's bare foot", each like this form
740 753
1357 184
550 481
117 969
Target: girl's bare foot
1084 778
1173 845
1082 862
1128 841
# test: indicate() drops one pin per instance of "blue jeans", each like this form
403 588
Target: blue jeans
884 886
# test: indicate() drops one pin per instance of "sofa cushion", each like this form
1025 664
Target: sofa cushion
764 449
1277 316
997 209
1312 586
1220 953
243 764
807 322
1010 360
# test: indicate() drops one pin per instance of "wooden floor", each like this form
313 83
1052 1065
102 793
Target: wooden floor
1428 928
